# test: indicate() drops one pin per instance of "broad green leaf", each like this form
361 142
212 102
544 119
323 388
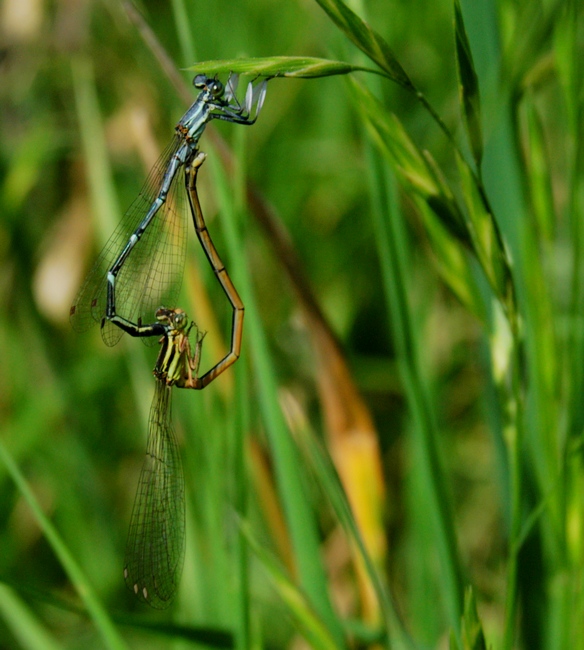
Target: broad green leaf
468 86
299 67
367 40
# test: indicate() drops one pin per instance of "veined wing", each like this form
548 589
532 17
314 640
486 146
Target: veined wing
152 273
155 547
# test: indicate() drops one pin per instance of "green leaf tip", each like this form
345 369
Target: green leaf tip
468 86
473 637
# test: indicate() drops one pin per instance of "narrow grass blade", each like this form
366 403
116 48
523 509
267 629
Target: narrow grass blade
473 637
488 243
295 67
479 234
329 481
100 183
299 515
183 30
410 164
306 619
95 609
367 40
23 624
468 86
395 267
454 263
537 163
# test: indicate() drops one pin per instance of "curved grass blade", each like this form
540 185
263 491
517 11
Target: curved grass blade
152 274
295 67
95 608
306 619
155 548
367 40
417 170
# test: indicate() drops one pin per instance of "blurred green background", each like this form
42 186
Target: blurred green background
388 328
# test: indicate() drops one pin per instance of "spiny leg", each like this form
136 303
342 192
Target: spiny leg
220 271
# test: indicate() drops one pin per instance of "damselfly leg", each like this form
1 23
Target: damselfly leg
141 265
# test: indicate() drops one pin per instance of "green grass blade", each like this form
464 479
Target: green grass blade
329 481
421 174
185 35
95 609
367 40
300 518
473 637
103 197
410 164
307 621
468 86
294 67
488 244
390 238
23 624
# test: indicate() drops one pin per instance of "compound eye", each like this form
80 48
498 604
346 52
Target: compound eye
200 81
180 319
216 88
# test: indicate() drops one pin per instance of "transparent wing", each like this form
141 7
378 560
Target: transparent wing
155 548
152 274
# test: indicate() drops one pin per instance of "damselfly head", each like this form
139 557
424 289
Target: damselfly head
173 319
179 319
213 86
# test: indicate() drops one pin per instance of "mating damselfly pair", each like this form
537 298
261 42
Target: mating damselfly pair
140 269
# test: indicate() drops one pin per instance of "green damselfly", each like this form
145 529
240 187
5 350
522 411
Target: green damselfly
155 547
129 281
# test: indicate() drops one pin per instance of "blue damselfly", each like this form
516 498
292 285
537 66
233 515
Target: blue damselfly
129 281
